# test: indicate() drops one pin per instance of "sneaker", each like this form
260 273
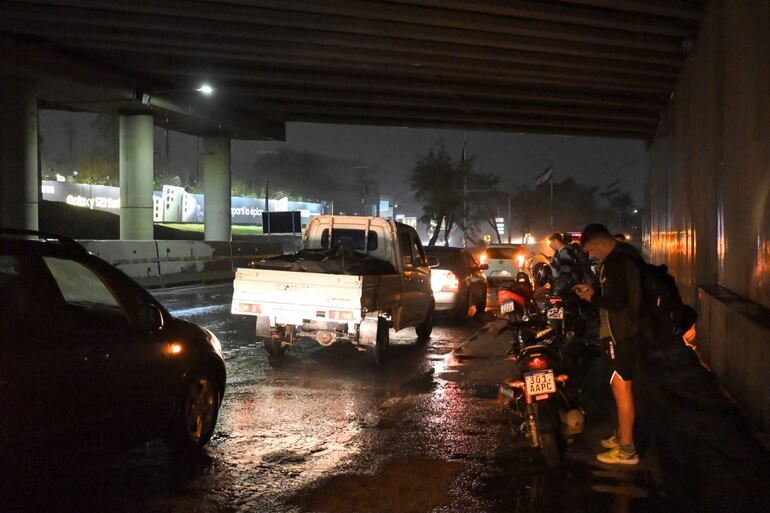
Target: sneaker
611 442
618 456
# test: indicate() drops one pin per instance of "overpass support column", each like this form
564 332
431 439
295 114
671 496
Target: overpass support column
19 178
216 188
136 174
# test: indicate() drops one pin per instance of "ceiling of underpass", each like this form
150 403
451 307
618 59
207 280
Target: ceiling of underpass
571 67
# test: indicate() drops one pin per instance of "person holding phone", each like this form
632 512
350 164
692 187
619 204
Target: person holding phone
617 297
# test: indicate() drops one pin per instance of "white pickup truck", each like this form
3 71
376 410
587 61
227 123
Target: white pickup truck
354 279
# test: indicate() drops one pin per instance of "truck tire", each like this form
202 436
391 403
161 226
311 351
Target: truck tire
275 347
379 352
426 328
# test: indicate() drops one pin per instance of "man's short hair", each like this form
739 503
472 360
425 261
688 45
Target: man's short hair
594 231
558 236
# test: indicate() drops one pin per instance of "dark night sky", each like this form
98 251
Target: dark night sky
517 158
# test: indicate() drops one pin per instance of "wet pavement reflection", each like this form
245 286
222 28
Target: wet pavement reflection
327 431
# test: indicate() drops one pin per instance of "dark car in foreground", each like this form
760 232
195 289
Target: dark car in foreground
458 281
89 359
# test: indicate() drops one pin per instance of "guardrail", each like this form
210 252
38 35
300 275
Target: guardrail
169 263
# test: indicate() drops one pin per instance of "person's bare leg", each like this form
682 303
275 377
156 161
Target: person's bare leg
624 402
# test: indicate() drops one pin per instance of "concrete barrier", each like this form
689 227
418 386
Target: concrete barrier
194 261
734 340
169 263
138 259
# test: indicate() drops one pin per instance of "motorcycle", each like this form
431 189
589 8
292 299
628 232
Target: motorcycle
538 393
561 307
517 303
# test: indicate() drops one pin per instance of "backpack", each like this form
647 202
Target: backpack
665 317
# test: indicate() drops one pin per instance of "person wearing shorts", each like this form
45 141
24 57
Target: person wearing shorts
617 299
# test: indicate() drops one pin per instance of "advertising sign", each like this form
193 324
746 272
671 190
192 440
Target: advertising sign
173 204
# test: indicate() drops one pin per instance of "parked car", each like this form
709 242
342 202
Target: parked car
88 358
458 281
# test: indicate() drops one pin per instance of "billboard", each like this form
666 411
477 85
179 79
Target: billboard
173 204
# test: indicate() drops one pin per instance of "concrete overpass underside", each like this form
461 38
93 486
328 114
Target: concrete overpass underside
572 67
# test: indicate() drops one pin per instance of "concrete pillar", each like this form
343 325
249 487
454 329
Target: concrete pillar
136 174
19 178
216 188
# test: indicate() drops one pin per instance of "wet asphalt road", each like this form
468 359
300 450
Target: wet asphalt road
329 432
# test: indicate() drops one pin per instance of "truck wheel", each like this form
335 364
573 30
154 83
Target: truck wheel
275 347
424 330
379 351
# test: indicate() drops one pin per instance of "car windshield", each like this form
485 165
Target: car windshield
502 253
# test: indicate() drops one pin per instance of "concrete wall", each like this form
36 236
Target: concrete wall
169 263
710 187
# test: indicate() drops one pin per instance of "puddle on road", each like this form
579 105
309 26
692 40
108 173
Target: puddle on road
414 484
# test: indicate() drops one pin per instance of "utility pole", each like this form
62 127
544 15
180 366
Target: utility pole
465 188
508 223
550 182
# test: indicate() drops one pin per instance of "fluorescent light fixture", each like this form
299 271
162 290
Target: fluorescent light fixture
205 89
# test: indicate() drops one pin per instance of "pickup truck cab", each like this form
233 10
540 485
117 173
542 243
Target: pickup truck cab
354 279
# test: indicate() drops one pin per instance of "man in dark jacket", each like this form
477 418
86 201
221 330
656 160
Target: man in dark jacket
618 300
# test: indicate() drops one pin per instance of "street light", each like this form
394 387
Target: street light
205 89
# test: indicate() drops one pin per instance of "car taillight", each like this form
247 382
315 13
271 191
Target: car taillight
520 261
250 308
340 315
444 281
451 283
537 362
483 258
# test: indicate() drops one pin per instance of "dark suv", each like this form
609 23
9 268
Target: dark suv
89 358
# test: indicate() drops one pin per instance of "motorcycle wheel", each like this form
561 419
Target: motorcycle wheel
551 446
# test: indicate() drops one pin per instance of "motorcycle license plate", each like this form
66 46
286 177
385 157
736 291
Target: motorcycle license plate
555 313
507 307
541 382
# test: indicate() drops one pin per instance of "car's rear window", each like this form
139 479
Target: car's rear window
449 259
502 253
351 239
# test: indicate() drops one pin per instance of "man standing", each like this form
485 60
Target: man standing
562 261
618 301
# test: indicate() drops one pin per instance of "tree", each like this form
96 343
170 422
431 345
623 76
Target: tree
483 203
437 182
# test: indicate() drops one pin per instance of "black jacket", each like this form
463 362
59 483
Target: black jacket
620 291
